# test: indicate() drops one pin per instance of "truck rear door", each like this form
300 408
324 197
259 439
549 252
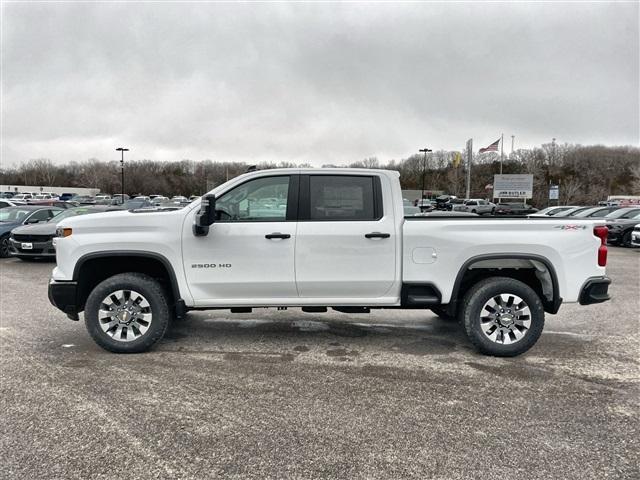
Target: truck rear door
346 238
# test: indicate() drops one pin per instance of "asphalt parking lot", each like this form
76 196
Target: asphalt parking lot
271 394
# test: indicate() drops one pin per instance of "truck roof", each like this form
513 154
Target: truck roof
336 170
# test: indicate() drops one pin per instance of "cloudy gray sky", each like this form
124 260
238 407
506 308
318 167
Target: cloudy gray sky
318 83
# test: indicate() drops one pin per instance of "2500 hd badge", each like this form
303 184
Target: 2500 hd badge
210 265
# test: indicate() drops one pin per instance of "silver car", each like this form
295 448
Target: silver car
477 205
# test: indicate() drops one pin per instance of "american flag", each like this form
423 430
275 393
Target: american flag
491 148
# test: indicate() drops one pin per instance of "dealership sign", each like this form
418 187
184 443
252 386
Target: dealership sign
554 192
513 186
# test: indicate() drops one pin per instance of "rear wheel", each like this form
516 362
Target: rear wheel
502 316
127 313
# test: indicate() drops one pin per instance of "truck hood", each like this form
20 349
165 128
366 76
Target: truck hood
124 220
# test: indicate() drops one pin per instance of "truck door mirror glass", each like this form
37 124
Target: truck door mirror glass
206 216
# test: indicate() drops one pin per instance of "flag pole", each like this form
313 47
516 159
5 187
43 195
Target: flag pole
469 160
501 151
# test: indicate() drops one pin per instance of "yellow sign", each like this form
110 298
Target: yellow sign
457 158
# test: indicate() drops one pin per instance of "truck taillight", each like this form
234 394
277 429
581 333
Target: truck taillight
602 232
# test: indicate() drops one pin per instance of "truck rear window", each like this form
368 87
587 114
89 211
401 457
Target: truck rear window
341 197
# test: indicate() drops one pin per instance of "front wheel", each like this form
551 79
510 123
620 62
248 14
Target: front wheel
4 246
626 239
127 313
502 316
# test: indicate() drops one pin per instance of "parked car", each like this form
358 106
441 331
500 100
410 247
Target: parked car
160 200
12 217
551 211
103 199
514 208
119 199
454 204
341 241
595 212
53 203
576 211
635 236
67 196
425 205
621 230
143 197
22 197
623 213
6 194
7 203
43 196
84 199
194 197
36 240
442 200
479 206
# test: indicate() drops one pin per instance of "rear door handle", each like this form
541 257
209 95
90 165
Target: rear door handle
377 235
277 235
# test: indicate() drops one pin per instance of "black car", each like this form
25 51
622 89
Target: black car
36 241
620 230
442 202
12 217
514 208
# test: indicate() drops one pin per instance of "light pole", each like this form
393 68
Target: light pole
424 169
122 150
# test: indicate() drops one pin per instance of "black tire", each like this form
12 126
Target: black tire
442 313
626 239
150 289
493 211
474 211
484 291
4 246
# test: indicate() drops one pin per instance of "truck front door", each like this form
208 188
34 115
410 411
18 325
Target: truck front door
249 251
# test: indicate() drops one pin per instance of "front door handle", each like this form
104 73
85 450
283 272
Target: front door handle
377 235
277 235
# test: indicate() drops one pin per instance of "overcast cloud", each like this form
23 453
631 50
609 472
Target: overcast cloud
324 83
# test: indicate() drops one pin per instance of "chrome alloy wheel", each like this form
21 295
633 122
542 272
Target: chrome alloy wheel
125 315
505 319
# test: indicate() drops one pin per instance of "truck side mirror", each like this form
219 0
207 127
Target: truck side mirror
206 216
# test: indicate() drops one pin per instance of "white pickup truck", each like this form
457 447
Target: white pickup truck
319 239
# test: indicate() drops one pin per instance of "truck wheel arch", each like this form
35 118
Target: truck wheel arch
121 261
545 273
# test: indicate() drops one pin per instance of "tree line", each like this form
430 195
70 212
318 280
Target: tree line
585 174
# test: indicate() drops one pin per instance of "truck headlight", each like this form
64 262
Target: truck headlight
63 232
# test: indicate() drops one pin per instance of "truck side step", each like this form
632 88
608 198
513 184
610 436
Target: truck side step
314 309
418 296
241 310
